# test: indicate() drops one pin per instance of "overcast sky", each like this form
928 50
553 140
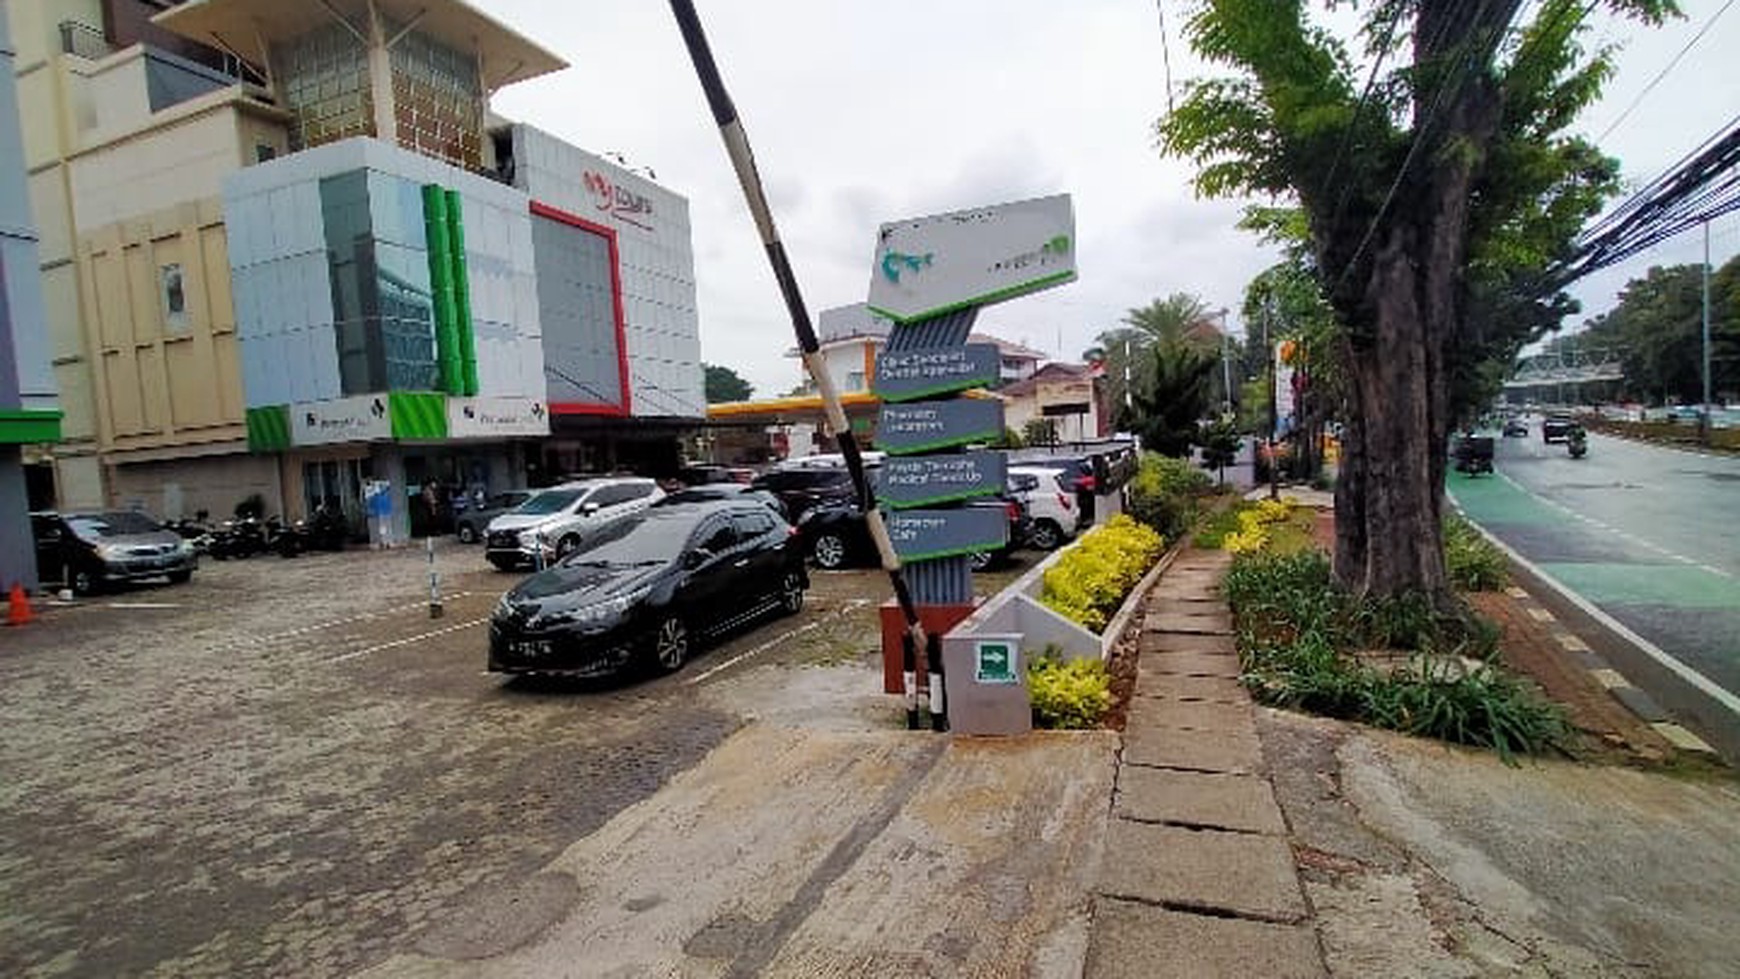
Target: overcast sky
864 112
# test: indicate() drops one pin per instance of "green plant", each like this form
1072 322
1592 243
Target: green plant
1473 562
1221 524
1090 580
1068 694
1164 492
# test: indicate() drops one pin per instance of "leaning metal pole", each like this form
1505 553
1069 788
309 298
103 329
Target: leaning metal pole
743 161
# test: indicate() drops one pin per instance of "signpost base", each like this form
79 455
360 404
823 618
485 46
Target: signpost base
936 619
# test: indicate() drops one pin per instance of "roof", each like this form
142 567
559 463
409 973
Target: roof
248 27
1052 373
1009 348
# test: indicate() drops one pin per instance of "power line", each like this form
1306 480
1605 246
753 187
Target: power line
1653 82
1165 52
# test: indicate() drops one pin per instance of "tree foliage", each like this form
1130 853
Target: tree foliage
1178 383
723 384
1435 188
1178 320
1658 324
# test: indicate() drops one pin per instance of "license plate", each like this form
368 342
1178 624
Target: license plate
530 647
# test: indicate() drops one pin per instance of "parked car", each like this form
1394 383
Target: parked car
555 522
803 487
1557 428
1051 505
87 551
723 491
835 535
1515 428
470 524
648 589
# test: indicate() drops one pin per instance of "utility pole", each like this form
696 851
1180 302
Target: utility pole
1225 365
1274 423
1704 417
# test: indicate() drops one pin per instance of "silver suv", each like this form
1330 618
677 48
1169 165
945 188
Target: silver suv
554 522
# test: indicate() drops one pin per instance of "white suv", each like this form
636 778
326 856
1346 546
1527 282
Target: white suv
554 521
1050 505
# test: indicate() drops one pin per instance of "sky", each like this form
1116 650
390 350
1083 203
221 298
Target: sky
862 113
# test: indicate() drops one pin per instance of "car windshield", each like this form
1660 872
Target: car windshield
118 523
548 501
656 538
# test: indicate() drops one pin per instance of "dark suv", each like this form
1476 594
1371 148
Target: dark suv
801 488
87 551
1557 428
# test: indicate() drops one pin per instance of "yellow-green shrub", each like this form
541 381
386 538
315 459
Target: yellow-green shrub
1071 695
1090 580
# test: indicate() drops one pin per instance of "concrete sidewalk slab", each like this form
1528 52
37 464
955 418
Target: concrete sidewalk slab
1251 876
1244 803
1186 605
1154 641
1165 747
1217 623
1223 665
1192 715
1157 684
1139 941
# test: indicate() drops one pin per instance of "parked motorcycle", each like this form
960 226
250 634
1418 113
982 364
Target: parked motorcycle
324 530
1473 454
245 537
1577 442
198 530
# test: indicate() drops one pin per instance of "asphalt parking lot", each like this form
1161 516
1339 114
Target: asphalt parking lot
287 767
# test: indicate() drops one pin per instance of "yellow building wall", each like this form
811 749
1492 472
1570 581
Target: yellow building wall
161 383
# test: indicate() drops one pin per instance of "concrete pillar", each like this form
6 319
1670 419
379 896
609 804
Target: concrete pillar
17 544
381 79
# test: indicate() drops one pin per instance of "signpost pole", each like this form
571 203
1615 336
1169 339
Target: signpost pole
743 162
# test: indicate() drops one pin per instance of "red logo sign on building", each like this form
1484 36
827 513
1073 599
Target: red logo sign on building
618 201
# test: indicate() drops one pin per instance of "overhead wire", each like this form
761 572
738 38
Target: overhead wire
1669 67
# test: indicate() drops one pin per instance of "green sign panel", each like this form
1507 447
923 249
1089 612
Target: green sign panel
926 426
995 661
927 535
912 481
908 375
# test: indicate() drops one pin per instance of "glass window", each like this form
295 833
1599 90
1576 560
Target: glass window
719 538
549 501
116 523
752 524
609 495
656 538
174 298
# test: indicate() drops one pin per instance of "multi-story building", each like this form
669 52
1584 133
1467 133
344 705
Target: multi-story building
288 251
29 410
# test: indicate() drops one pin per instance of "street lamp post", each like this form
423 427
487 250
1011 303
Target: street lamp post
1704 417
1225 365
1269 360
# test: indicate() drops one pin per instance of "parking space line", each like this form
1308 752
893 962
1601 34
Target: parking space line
408 640
852 606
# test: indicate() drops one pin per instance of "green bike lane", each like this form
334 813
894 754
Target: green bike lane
1686 614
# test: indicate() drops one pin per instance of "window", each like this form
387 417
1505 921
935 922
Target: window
610 495
174 297
855 381
751 524
719 538
638 491
264 152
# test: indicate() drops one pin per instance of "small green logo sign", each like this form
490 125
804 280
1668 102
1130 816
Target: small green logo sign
994 662
894 262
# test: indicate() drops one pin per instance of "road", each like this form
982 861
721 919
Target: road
288 768
1646 534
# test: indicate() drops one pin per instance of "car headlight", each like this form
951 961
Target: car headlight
502 606
184 547
109 552
599 612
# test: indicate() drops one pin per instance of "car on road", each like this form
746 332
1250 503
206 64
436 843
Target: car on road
647 590
1557 428
836 536
1051 505
1515 428
469 523
90 550
556 521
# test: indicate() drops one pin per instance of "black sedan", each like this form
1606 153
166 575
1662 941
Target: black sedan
649 589
470 522
1515 428
836 536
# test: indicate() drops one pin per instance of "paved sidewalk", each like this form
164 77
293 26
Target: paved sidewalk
1199 878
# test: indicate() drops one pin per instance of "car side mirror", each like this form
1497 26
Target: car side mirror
696 558
588 509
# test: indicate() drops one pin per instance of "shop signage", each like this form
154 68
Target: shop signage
907 375
927 266
362 418
926 426
618 201
497 417
927 535
914 481
997 660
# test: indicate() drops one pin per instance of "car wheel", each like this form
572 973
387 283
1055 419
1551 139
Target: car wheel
671 645
830 552
467 534
1046 535
791 593
83 582
566 546
180 577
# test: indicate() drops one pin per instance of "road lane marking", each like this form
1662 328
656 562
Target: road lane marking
408 640
144 605
852 606
1700 682
1657 548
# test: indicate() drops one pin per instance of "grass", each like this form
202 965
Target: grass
1473 562
1287 537
1297 632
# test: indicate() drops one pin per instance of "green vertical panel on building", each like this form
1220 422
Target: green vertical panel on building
461 279
437 233
268 428
417 414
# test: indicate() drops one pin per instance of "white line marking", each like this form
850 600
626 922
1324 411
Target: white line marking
1540 614
406 641
1701 682
852 606
147 605
1573 643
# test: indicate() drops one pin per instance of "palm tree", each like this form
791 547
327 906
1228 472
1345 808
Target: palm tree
1178 323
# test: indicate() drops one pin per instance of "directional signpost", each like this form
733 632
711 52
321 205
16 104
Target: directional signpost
930 275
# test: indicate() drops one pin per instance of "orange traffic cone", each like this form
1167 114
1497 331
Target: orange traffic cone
18 606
